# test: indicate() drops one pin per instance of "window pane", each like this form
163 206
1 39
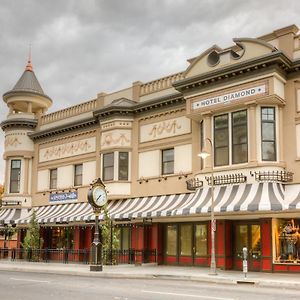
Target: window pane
201 239
168 161
221 140
222 156
123 165
241 239
268 114
240 153
15 173
125 238
108 166
78 175
171 240
117 233
53 179
268 131
186 240
255 241
16 164
268 151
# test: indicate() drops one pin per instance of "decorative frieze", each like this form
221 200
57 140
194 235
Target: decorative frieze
165 129
67 150
116 138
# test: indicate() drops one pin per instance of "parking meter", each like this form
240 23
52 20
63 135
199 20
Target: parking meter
245 263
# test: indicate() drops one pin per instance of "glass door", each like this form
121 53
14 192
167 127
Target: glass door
249 236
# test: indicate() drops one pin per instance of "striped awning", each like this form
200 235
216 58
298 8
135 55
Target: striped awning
10 215
234 198
142 207
249 198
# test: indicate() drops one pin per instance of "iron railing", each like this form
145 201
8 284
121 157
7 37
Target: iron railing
273 176
130 256
193 184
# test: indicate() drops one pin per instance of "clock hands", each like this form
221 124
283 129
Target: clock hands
99 197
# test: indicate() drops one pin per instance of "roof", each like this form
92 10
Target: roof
28 82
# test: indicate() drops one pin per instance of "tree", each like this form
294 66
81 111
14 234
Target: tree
32 240
109 239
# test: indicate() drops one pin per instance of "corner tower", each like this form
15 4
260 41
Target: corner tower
26 102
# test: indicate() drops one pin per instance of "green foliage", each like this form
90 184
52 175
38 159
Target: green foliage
7 232
32 239
109 238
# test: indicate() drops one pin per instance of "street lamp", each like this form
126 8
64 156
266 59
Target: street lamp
205 154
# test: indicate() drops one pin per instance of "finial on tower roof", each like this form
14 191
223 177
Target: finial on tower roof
29 65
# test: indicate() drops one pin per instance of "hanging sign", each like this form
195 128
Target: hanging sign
63 197
227 98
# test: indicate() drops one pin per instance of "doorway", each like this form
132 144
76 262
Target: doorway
247 235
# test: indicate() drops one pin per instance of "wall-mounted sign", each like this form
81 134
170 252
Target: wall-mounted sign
227 98
63 197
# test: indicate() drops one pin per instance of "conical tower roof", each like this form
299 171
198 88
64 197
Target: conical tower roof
27 83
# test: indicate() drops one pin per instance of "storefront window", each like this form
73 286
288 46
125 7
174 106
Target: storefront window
201 239
122 235
171 240
62 238
241 239
186 239
287 240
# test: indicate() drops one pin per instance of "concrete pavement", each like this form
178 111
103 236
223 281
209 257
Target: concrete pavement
153 271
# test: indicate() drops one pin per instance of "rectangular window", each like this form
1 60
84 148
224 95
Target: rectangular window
15 174
186 239
53 178
168 161
108 166
221 140
239 137
268 134
171 248
123 165
78 175
201 239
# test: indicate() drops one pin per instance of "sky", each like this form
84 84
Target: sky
85 47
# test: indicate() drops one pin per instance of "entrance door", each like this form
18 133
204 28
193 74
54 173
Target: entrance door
249 236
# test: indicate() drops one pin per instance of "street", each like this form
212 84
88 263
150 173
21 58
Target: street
35 286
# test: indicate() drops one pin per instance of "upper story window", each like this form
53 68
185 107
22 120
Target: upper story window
167 161
78 175
15 174
108 166
231 137
268 134
123 165
53 178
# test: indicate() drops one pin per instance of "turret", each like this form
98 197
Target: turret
26 102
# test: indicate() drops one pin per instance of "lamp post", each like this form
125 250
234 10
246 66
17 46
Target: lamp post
205 154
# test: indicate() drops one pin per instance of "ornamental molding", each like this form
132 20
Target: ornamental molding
111 139
12 141
168 127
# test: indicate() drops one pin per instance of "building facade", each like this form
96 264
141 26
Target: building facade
241 104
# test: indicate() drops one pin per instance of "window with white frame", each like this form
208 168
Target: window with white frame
53 179
108 166
268 134
167 161
230 137
123 165
15 174
78 175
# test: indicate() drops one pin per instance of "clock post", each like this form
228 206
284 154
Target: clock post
97 197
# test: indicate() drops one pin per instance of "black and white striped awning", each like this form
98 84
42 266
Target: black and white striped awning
249 198
10 215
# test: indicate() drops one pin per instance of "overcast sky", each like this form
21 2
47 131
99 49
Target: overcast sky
84 47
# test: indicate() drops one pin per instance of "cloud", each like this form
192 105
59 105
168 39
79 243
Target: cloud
81 48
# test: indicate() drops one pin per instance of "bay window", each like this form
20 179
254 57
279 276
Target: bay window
268 134
15 174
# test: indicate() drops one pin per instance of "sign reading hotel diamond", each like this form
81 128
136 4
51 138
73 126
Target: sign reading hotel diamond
63 197
227 98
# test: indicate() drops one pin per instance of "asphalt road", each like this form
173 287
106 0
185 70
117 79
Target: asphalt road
34 286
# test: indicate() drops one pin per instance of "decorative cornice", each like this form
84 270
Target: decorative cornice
275 58
19 123
153 105
63 128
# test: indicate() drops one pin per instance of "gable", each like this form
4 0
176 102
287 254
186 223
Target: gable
216 58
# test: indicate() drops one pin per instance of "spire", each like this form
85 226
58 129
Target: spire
29 65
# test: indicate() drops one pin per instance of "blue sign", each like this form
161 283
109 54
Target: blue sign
63 197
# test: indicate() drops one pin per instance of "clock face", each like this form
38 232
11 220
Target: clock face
99 196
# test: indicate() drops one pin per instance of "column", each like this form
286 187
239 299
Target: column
253 142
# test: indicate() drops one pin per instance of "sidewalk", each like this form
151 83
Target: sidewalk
151 271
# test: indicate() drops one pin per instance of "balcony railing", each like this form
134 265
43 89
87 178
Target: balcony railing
227 179
130 256
273 176
193 184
